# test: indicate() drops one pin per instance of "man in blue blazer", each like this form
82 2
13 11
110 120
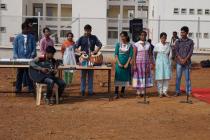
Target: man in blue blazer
24 47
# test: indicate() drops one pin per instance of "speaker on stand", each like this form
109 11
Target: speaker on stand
135 27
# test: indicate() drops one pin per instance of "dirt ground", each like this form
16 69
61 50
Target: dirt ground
85 118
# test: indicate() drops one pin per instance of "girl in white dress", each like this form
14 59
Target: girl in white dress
163 55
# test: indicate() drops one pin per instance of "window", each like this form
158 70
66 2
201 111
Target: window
112 34
184 11
176 10
192 11
52 26
2 29
200 12
207 12
63 33
198 35
131 14
206 35
3 6
37 8
51 10
53 31
144 8
191 35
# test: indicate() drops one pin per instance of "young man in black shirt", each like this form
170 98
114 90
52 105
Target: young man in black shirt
47 65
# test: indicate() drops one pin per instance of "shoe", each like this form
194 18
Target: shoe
116 97
166 95
123 95
61 99
47 101
161 95
44 95
138 93
177 94
83 93
141 95
52 100
90 94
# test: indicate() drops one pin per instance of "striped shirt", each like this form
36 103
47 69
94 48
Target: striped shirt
44 43
184 48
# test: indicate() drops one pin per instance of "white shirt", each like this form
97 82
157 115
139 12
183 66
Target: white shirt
25 42
140 47
124 47
163 48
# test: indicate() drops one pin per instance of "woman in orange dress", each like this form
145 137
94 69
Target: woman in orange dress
67 50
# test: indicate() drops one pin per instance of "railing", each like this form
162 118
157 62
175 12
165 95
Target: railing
107 29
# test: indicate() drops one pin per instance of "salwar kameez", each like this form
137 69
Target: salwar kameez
142 75
163 67
68 59
123 75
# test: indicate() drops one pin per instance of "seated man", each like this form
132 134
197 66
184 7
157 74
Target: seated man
47 65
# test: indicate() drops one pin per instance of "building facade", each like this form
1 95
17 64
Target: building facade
108 17
167 16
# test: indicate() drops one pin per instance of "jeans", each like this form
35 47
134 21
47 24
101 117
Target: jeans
50 84
21 73
84 74
179 70
25 79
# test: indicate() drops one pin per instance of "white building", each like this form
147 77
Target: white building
9 26
108 17
14 12
170 15
71 15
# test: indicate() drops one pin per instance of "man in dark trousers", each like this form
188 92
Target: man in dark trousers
174 38
24 47
43 64
87 43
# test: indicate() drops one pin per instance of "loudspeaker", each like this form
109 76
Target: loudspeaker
34 27
135 27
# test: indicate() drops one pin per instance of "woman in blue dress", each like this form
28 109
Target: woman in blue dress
163 55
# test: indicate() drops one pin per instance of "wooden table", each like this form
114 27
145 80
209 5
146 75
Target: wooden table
73 67
14 66
77 67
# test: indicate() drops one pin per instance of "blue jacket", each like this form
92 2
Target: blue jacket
19 50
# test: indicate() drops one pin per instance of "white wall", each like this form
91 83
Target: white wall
165 9
11 19
90 12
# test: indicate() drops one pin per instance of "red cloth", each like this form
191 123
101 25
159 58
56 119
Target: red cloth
202 94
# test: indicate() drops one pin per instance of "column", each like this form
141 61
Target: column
58 19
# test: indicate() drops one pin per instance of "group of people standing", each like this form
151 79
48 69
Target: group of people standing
135 63
24 47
